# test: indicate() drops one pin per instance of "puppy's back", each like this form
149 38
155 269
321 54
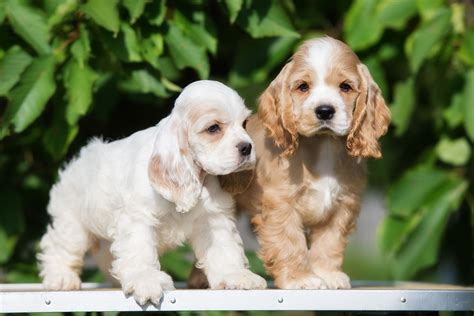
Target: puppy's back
102 174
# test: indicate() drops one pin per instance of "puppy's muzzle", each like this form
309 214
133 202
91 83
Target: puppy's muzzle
244 148
325 112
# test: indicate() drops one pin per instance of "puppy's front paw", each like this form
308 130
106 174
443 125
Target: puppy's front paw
62 280
148 286
240 280
334 279
306 281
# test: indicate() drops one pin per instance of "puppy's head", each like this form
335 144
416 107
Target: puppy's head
325 89
204 134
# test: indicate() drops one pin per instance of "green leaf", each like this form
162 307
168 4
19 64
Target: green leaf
131 43
233 7
78 82
403 105
59 136
413 189
30 24
156 12
135 8
12 66
152 48
377 71
250 68
11 222
199 29
29 97
185 52
104 12
177 263
455 152
61 11
141 81
466 52
170 85
454 114
265 18
2 11
421 42
469 104
361 29
125 46
387 52
395 13
457 19
81 48
394 232
23 273
429 8
421 250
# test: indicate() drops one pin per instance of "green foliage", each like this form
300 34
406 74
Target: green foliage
28 99
72 69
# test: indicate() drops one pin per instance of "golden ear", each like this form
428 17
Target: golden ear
275 111
370 119
236 183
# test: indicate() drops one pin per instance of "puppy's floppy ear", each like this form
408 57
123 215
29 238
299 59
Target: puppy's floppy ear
237 182
275 111
171 169
370 119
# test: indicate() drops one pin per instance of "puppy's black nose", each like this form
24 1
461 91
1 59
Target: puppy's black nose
325 112
245 148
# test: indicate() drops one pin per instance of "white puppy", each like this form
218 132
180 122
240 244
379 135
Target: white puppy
152 191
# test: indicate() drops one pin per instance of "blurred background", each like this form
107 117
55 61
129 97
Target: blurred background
73 69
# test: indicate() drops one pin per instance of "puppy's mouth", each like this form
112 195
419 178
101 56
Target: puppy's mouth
326 128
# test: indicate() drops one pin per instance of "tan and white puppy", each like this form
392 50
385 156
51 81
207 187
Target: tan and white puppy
151 192
316 122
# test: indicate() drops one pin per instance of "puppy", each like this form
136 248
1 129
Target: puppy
152 191
317 121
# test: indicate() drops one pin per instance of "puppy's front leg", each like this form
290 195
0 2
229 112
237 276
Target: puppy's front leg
283 247
328 243
219 252
136 263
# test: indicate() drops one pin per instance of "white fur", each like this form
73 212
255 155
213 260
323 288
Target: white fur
326 186
108 192
320 58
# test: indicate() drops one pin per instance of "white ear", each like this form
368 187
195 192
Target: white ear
171 169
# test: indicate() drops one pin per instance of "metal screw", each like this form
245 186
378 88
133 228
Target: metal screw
280 300
403 300
47 302
172 300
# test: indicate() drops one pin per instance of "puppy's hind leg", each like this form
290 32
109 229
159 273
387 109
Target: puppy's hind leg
62 251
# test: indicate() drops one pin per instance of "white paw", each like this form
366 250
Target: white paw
240 280
148 286
61 280
308 282
334 279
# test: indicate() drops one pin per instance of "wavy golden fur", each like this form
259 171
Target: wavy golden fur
304 195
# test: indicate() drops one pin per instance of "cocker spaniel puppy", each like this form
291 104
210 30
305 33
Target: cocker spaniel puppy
152 191
316 122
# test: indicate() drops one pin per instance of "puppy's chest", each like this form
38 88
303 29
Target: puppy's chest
321 191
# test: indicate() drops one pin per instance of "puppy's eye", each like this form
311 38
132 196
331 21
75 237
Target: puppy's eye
244 124
213 129
303 87
345 87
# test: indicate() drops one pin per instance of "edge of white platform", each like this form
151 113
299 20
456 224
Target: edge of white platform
15 298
